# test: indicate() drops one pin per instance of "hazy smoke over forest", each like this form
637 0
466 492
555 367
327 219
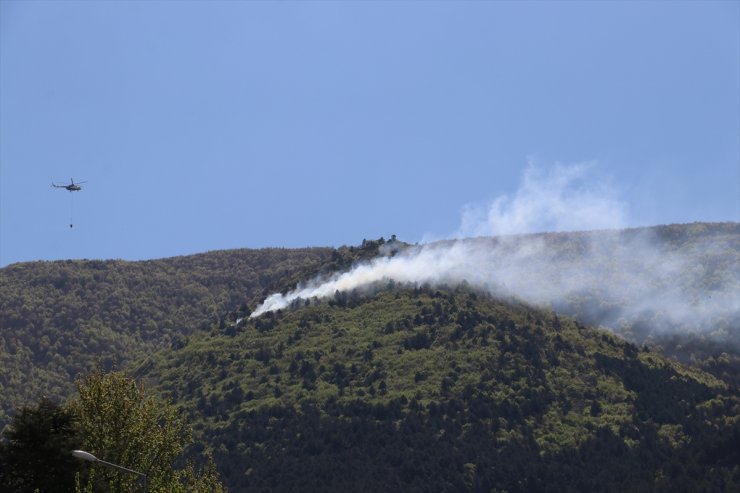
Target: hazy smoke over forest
617 277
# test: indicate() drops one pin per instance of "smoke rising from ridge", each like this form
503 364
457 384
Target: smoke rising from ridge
616 277
558 198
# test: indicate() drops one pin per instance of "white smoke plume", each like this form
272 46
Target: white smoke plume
622 276
557 198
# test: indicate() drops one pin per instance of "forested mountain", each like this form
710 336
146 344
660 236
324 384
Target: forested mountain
61 318
448 389
415 386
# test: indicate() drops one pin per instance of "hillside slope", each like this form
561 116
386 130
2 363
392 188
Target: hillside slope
415 386
449 389
58 319
61 318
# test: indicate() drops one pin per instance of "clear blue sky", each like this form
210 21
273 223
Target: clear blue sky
213 125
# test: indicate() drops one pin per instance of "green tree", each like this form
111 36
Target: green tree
37 452
120 422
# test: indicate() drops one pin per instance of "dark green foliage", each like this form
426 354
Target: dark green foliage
61 318
443 447
36 452
662 395
449 390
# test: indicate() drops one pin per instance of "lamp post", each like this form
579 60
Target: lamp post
81 454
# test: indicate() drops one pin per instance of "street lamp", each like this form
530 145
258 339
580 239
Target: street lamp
81 454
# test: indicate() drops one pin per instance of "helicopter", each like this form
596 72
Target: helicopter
72 187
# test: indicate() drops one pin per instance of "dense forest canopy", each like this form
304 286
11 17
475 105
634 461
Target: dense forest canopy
444 383
447 389
58 319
